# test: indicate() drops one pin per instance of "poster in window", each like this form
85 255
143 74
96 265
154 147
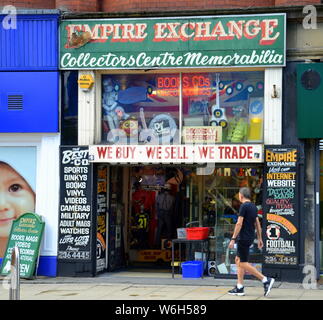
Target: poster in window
17 187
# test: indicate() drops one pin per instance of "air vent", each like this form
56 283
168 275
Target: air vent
15 102
321 145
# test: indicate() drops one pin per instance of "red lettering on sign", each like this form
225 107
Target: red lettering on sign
227 152
243 152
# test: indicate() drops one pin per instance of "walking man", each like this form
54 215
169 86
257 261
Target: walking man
243 235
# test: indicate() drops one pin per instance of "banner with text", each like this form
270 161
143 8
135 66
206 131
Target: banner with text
281 207
210 41
252 153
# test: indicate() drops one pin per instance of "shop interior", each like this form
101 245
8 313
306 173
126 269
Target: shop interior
140 226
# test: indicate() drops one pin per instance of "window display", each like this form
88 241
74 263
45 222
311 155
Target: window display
225 107
140 108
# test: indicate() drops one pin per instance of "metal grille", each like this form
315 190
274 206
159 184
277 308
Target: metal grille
321 144
15 102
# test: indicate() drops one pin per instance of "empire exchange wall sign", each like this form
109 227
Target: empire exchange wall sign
226 41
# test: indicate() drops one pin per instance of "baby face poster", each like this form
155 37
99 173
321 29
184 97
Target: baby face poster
17 187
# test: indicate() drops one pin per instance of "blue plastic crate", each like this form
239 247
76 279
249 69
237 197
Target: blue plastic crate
192 269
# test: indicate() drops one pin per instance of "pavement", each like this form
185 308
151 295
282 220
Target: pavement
141 285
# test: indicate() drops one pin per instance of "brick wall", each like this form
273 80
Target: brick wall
29 4
78 5
169 5
114 6
296 2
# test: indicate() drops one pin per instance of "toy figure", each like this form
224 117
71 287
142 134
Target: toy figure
218 117
130 127
109 103
121 114
238 128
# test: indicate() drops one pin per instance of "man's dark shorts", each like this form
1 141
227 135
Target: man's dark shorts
243 247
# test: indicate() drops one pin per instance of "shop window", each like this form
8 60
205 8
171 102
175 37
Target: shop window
220 206
69 109
145 108
140 108
235 115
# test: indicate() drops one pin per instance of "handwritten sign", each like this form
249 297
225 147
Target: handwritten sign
176 153
281 206
26 234
202 134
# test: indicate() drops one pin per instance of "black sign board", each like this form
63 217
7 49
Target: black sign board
75 211
281 207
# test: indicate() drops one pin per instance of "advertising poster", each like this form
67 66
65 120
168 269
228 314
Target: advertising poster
26 234
281 225
17 187
74 238
101 218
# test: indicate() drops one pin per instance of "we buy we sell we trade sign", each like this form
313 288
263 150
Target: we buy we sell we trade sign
176 153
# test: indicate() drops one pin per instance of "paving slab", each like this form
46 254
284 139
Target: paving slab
138 288
283 294
200 295
312 295
246 297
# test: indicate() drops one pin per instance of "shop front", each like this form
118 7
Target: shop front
181 107
29 130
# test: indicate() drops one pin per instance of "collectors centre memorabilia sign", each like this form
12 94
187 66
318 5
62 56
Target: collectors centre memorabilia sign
74 239
226 41
281 225
176 153
26 234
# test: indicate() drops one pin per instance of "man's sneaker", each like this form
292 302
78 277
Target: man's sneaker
268 285
236 292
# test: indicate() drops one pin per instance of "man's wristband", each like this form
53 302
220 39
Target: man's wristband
234 239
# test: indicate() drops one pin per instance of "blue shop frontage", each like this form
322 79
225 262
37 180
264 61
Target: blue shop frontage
29 128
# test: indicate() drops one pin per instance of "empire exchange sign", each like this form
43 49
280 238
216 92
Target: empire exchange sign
221 41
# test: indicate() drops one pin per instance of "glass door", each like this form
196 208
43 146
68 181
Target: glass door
115 224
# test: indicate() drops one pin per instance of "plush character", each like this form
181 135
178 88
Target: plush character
130 127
